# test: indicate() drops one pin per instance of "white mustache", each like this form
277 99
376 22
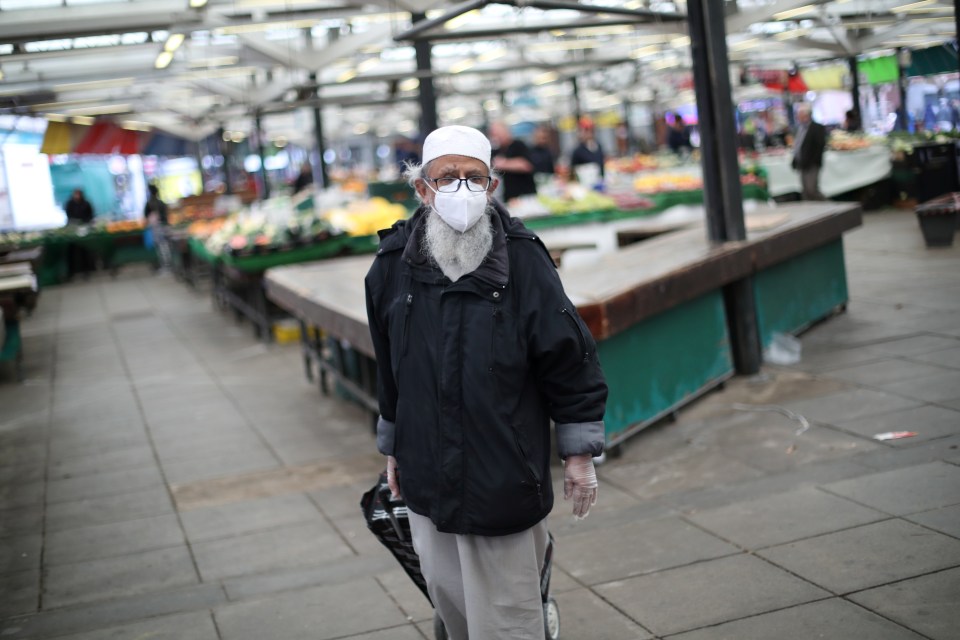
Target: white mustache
457 254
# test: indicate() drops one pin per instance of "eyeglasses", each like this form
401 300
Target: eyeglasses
476 184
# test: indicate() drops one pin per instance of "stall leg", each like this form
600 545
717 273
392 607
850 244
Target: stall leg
305 348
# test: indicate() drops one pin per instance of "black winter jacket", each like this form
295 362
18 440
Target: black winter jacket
471 373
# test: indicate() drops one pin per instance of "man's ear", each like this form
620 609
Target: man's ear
422 189
493 186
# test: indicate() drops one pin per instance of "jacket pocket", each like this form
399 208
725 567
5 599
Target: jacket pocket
584 350
405 336
530 468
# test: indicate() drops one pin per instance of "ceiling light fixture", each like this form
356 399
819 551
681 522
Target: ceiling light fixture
906 8
56 117
84 121
461 66
206 63
409 84
174 40
163 60
347 75
546 78
95 84
790 13
196 4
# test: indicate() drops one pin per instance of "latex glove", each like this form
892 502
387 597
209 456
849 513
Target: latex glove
580 484
393 477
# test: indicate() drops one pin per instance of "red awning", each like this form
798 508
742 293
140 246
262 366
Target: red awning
106 138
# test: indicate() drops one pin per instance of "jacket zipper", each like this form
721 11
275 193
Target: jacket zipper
526 463
406 325
580 337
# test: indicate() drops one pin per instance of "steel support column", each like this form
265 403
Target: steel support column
428 95
723 196
320 167
903 122
855 87
575 89
224 147
265 191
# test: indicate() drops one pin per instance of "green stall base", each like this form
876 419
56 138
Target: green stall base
796 293
663 362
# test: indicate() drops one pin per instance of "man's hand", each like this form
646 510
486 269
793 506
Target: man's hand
393 479
580 483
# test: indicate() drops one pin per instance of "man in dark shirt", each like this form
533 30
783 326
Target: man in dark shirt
588 151
79 210
512 159
540 153
678 138
155 206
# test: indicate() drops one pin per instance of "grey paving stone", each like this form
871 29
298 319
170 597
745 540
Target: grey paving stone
20 553
917 345
187 626
832 619
29 494
784 518
110 460
248 516
943 357
181 472
80 582
19 592
946 520
294 546
707 593
93 511
22 521
837 358
904 491
28 454
929 388
351 608
78 445
113 539
584 615
927 604
331 572
21 473
850 405
405 632
928 421
886 371
643 547
405 594
106 483
867 556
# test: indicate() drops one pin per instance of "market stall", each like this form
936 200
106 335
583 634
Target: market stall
18 296
641 303
843 171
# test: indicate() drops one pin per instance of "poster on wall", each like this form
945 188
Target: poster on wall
30 188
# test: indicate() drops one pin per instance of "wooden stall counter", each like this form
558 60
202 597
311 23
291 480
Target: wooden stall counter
656 308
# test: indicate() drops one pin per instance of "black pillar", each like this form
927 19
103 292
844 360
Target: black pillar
855 87
956 18
265 193
577 113
224 147
723 196
320 169
428 95
903 123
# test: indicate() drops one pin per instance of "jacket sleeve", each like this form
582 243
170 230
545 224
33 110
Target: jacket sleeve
568 372
386 385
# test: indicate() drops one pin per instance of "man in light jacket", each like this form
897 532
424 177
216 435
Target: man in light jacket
478 349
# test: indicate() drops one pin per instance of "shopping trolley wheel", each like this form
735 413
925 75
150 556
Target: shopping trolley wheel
439 631
551 619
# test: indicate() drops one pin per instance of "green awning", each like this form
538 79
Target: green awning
933 60
879 70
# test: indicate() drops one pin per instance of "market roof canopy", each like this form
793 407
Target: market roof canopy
164 144
106 138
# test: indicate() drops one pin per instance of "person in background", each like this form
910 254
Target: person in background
678 137
79 258
155 211
588 150
511 157
808 147
78 209
851 121
478 349
304 178
541 154
405 152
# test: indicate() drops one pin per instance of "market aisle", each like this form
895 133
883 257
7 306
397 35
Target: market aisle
164 475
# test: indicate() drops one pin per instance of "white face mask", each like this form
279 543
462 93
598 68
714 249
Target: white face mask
460 209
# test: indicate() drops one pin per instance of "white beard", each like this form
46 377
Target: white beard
457 254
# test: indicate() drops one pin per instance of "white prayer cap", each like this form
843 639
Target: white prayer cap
456 140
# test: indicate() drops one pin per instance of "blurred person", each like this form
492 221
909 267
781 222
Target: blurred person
304 178
79 258
851 121
808 147
588 151
678 137
155 211
478 349
78 209
512 159
405 152
541 153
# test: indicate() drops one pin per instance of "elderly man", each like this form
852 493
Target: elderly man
808 147
478 348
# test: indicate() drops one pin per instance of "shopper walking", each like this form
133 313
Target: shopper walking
79 258
511 157
478 349
808 148
588 152
541 153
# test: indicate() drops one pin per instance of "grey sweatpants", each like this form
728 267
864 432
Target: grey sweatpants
484 587
810 184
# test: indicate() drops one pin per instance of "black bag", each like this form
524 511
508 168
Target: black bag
388 520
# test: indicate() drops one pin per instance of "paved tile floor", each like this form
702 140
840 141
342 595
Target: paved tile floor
163 475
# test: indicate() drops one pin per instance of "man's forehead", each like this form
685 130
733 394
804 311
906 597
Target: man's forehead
447 164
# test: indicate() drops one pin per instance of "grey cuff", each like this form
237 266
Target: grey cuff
385 433
578 438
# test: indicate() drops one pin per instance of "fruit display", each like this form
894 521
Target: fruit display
575 198
845 141
123 226
365 217
15 239
665 182
642 162
628 201
249 232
